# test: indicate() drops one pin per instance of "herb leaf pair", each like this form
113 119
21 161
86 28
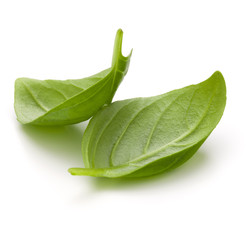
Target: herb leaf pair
131 138
55 102
144 136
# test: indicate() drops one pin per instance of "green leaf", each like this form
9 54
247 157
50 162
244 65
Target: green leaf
55 102
144 136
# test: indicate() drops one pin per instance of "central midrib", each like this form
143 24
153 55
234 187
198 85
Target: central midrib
72 106
120 137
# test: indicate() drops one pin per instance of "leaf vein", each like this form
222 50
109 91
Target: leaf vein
56 90
122 134
157 122
144 156
104 129
34 98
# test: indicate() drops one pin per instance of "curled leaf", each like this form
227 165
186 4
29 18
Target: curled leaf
144 136
55 102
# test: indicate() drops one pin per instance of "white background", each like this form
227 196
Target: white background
176 43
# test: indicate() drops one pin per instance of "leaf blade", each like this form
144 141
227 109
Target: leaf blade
69 101
150 135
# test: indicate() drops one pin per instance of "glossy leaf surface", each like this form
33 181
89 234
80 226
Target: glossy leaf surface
55 102
145 136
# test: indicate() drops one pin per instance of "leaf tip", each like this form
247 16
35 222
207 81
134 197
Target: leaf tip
218 74
218 77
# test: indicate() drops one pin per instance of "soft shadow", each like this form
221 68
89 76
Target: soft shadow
64 141
196 163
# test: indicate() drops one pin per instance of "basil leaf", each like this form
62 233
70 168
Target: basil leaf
55 102
145 136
